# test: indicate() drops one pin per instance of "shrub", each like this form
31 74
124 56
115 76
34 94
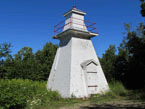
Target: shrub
117 91
118 88
19 93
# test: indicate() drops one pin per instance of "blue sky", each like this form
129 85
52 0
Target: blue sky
29 23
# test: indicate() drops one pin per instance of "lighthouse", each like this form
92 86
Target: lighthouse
76 70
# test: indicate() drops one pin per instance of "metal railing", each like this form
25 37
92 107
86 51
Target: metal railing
88 25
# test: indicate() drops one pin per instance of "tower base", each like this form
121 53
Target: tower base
76 70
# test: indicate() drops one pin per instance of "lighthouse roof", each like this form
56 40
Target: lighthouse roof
75 10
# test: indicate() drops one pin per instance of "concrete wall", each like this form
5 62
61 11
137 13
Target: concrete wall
59 78
82 50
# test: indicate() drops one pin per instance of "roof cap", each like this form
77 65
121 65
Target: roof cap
75 10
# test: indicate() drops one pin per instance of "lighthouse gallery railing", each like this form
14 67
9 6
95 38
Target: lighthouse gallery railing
91 26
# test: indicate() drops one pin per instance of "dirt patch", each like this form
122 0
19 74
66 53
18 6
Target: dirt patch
126 104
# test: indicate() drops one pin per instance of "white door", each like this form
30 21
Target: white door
92 78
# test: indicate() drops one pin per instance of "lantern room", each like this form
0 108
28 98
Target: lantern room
76 25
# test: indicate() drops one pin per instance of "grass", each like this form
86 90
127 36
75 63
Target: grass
61 103
117 92
28 94
35 95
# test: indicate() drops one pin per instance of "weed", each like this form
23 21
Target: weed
117 91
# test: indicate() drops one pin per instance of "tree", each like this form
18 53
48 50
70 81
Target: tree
140 30
45 59
121 63
25 64
136 47
142 8
107 61
4 51
29 65
143 11
130 63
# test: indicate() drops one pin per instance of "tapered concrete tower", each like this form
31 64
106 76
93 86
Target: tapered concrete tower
76 69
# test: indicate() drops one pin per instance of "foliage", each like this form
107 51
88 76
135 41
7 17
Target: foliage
28 65
4 51
45 59
142 8
118 89
108 61
131 58
136 47
143 12
128 66
28 94
19 93
121 63
140 32
117 92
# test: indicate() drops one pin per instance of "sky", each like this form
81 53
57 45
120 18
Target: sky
29 23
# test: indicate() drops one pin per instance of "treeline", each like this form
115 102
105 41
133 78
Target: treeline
128 66
26 64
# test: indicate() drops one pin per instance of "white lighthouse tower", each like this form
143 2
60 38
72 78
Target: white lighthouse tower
76 69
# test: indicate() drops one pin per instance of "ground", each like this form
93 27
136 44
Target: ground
122 104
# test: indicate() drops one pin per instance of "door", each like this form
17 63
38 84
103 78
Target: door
92 78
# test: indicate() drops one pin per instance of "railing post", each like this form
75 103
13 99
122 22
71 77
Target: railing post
54 31
61 26
95 28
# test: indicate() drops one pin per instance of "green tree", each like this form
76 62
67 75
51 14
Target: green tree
136 47
4 50
4 53
45 59
29 65
130 63
142 8
17 67
121 63
143 12
140 30
25 64
107 61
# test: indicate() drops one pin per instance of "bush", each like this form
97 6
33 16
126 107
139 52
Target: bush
117 91
19 93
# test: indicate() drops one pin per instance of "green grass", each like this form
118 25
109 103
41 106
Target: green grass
117 92
28 94
20 93
61 103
